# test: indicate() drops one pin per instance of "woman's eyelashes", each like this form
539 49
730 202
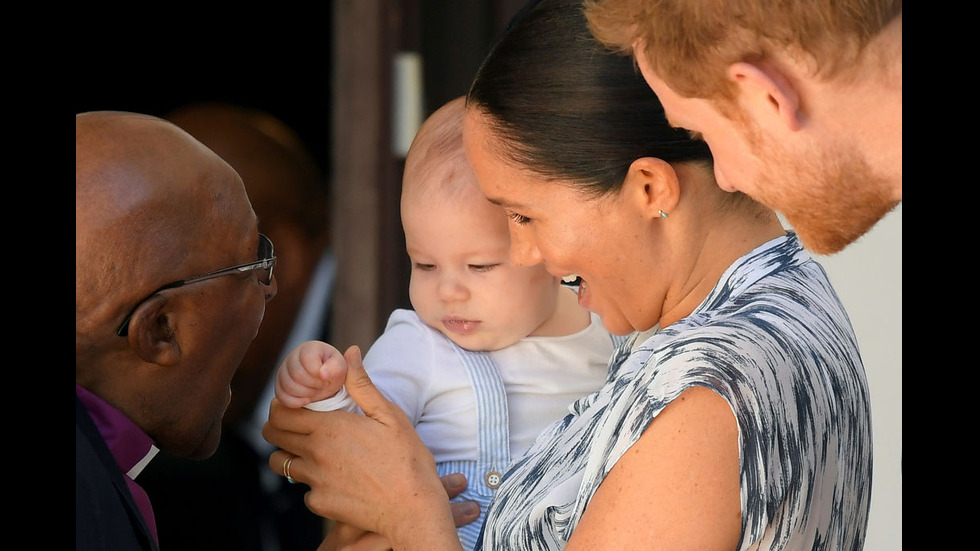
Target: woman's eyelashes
519 219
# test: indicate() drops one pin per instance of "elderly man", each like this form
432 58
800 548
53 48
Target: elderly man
171 282
248 507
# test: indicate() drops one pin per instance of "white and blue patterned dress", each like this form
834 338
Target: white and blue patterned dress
773 339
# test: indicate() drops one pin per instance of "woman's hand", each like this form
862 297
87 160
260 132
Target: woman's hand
344 537
371 471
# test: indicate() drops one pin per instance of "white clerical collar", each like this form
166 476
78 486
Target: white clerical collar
138 467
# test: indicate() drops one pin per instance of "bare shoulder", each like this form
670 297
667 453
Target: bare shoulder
676 488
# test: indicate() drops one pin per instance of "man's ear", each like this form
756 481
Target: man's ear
767 93
152 331
653 183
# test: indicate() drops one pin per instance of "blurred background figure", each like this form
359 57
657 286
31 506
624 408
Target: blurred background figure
232 500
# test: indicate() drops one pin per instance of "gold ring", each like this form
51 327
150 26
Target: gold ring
285 469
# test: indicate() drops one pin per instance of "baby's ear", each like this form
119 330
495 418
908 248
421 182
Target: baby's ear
152 332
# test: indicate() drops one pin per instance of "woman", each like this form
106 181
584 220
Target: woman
737 416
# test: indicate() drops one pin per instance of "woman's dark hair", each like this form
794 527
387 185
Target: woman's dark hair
565 107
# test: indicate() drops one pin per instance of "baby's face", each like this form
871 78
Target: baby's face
463 282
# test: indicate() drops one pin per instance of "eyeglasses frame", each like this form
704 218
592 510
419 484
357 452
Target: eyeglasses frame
268 263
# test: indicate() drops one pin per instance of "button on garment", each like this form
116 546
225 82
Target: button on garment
492 479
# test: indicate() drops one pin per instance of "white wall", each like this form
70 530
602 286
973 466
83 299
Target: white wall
868 278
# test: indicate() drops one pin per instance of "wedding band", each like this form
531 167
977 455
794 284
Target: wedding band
285 469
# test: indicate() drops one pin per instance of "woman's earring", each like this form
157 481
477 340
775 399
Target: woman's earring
662 213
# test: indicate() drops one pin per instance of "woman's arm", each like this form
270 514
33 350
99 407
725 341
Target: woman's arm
371 471
676 488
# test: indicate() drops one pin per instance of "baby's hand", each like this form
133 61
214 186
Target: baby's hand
313 371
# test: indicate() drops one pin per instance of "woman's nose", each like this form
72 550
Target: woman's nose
523 250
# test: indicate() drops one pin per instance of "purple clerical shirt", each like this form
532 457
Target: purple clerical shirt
132 448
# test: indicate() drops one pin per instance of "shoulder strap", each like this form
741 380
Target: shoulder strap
492 416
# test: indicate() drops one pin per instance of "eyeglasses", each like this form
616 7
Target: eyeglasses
262 267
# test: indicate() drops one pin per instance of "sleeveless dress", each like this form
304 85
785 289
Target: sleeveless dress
772 338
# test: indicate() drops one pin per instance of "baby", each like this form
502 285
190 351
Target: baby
492 353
